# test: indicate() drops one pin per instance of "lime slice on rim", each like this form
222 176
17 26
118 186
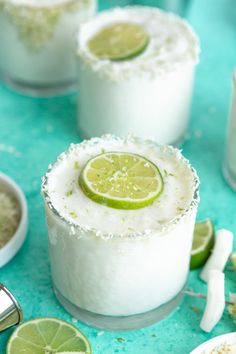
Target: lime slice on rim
119 41
203 242
47 336
121 180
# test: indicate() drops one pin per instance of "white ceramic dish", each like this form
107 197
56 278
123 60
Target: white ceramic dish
8 251
212 344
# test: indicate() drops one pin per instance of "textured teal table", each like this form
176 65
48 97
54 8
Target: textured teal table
34 131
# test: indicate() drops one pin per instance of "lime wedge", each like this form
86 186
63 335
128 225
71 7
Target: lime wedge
121 180
203 242
47 336
119 41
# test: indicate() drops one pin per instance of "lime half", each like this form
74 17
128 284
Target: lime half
119 41
203 242
121 180
47 336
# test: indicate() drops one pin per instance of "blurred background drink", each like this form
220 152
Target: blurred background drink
229 168
37 43
179 7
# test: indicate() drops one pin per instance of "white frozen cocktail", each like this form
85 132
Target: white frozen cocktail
37 42
135 70
120 214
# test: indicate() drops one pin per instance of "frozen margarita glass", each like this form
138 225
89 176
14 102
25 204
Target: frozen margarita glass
230 158
135 69
37 42
120 215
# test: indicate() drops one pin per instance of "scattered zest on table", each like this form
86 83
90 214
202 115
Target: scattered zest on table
232 306
203 241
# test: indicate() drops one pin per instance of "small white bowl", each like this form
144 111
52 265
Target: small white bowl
8 251
208 346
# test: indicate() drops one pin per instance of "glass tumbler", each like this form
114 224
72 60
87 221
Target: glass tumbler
229 166
103 275
148 94
37 43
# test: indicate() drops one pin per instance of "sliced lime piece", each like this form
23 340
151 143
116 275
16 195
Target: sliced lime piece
203 242
119 41
47 335
233 260
121 180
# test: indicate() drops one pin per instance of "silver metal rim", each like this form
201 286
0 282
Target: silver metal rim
14 300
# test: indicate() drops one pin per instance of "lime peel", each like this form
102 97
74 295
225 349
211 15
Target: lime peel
119 41
203 242
47 335
215 300
220 255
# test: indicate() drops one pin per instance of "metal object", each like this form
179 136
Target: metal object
10 310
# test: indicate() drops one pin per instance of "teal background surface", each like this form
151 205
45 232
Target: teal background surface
34 131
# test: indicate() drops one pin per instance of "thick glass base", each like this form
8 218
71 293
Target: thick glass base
229 176
120 323
40 90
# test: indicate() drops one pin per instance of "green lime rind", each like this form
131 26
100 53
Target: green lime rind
47 335
135 172
120 41
203 243
133 54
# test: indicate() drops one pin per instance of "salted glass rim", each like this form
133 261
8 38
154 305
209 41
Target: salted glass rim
86 229
146 63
